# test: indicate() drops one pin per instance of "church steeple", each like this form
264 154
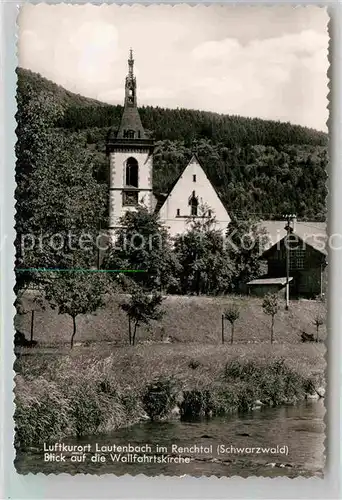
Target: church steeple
130 153
131 126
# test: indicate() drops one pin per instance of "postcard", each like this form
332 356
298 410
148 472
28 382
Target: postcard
171 240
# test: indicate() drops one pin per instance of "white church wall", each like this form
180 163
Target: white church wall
192 179
118 182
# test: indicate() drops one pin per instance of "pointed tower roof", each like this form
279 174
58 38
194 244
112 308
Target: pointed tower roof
130 120
131 132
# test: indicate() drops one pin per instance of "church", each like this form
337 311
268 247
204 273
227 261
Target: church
130 152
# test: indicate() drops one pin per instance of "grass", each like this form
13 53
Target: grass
100 388
186 319
104 384
136 366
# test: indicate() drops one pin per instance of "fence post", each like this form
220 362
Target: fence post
32 324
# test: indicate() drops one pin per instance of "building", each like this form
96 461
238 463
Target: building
307 256
262 286
130 153
191 196
131 159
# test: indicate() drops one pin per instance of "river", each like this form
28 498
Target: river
300 428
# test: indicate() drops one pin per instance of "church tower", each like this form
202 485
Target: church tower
131 158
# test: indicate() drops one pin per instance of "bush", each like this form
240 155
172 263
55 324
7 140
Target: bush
159 398
225 401
274 383
193 364
196 404
41 414
87 413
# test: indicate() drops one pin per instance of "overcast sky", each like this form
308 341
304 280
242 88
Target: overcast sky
268 62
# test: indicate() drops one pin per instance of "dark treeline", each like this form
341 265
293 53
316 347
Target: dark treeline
261 180
259 166
189 125
176 124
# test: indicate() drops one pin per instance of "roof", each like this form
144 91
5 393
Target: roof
130 120
269 281
311 233
194 157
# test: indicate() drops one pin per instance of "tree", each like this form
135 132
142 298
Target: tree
143 244
318 322
57 195
205 267
142 308
232 314
76 292
36 116
271 306
245 241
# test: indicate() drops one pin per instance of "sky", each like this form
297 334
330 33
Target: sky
269 62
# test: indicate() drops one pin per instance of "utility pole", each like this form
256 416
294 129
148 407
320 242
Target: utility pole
289 229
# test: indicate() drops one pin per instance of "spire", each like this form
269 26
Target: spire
131 126
130 64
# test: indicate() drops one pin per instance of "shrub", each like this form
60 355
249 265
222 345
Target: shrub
159 398
193 364
196 404
246 396
224 400
41 414
132 405
274 383
85 405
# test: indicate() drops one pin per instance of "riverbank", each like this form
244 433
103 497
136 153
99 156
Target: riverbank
269 427
100 388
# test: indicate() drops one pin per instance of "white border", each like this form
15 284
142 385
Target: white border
109 486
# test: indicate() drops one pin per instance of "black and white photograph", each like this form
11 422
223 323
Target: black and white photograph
171 251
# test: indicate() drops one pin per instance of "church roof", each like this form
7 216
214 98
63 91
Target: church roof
130 127
162 198
130 120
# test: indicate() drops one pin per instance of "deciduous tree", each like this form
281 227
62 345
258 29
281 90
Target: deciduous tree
143 244
271 306
141 308
232 314
75 293
205 267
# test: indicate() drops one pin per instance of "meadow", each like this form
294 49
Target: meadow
179 368
186 319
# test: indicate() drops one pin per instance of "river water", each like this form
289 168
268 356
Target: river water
300 428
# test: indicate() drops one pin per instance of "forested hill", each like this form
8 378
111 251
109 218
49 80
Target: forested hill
266 166
175 124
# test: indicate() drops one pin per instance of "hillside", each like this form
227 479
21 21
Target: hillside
174 124
263 166
40 84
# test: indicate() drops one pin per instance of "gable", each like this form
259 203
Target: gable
193 181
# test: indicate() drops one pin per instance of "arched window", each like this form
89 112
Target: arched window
132 171
193 204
